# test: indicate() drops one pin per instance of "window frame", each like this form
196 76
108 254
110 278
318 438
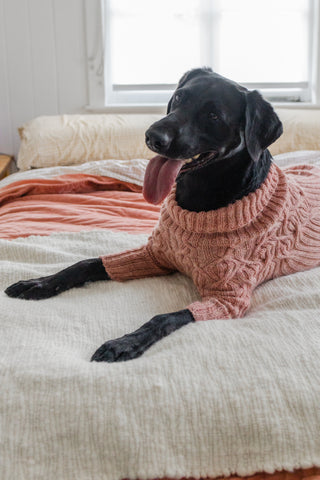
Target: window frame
103 96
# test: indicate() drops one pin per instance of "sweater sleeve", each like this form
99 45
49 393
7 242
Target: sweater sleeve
222 305
133 264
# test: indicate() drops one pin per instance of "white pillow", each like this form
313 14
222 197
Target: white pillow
74 139
301 130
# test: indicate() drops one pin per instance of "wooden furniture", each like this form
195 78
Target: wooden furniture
5 161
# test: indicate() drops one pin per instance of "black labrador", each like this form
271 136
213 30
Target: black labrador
224 131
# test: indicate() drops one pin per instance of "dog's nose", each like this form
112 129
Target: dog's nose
158 140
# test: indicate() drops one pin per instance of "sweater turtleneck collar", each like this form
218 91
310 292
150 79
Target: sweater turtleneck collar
268 198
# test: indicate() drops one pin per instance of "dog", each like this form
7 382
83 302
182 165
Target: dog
231 220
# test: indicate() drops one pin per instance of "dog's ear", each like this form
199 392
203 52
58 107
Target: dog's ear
195 72
262 124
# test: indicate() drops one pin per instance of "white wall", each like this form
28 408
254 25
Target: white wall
42 63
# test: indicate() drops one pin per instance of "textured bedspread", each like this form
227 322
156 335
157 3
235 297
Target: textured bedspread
216 398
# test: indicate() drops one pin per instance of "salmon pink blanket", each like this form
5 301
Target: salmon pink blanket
73 203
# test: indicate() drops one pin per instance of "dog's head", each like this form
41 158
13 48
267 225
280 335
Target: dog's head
209 118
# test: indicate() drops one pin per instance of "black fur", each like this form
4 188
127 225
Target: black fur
136 343
222 182
212 113
76 275
231 129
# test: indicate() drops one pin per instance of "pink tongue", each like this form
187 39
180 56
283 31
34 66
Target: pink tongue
160 175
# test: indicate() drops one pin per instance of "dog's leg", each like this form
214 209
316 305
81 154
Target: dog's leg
76 275
136 343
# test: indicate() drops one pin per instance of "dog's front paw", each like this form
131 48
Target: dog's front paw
36 289
119 350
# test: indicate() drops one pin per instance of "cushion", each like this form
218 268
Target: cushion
301 130
74 139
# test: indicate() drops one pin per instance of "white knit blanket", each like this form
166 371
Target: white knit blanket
214 398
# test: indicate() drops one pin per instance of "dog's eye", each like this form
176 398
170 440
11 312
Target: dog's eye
177 98
213 116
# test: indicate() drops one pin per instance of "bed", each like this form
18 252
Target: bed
218 399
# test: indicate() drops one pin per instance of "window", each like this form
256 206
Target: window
145 47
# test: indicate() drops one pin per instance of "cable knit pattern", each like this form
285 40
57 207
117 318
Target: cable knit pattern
227 252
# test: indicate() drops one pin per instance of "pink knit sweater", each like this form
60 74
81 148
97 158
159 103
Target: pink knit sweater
228 252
